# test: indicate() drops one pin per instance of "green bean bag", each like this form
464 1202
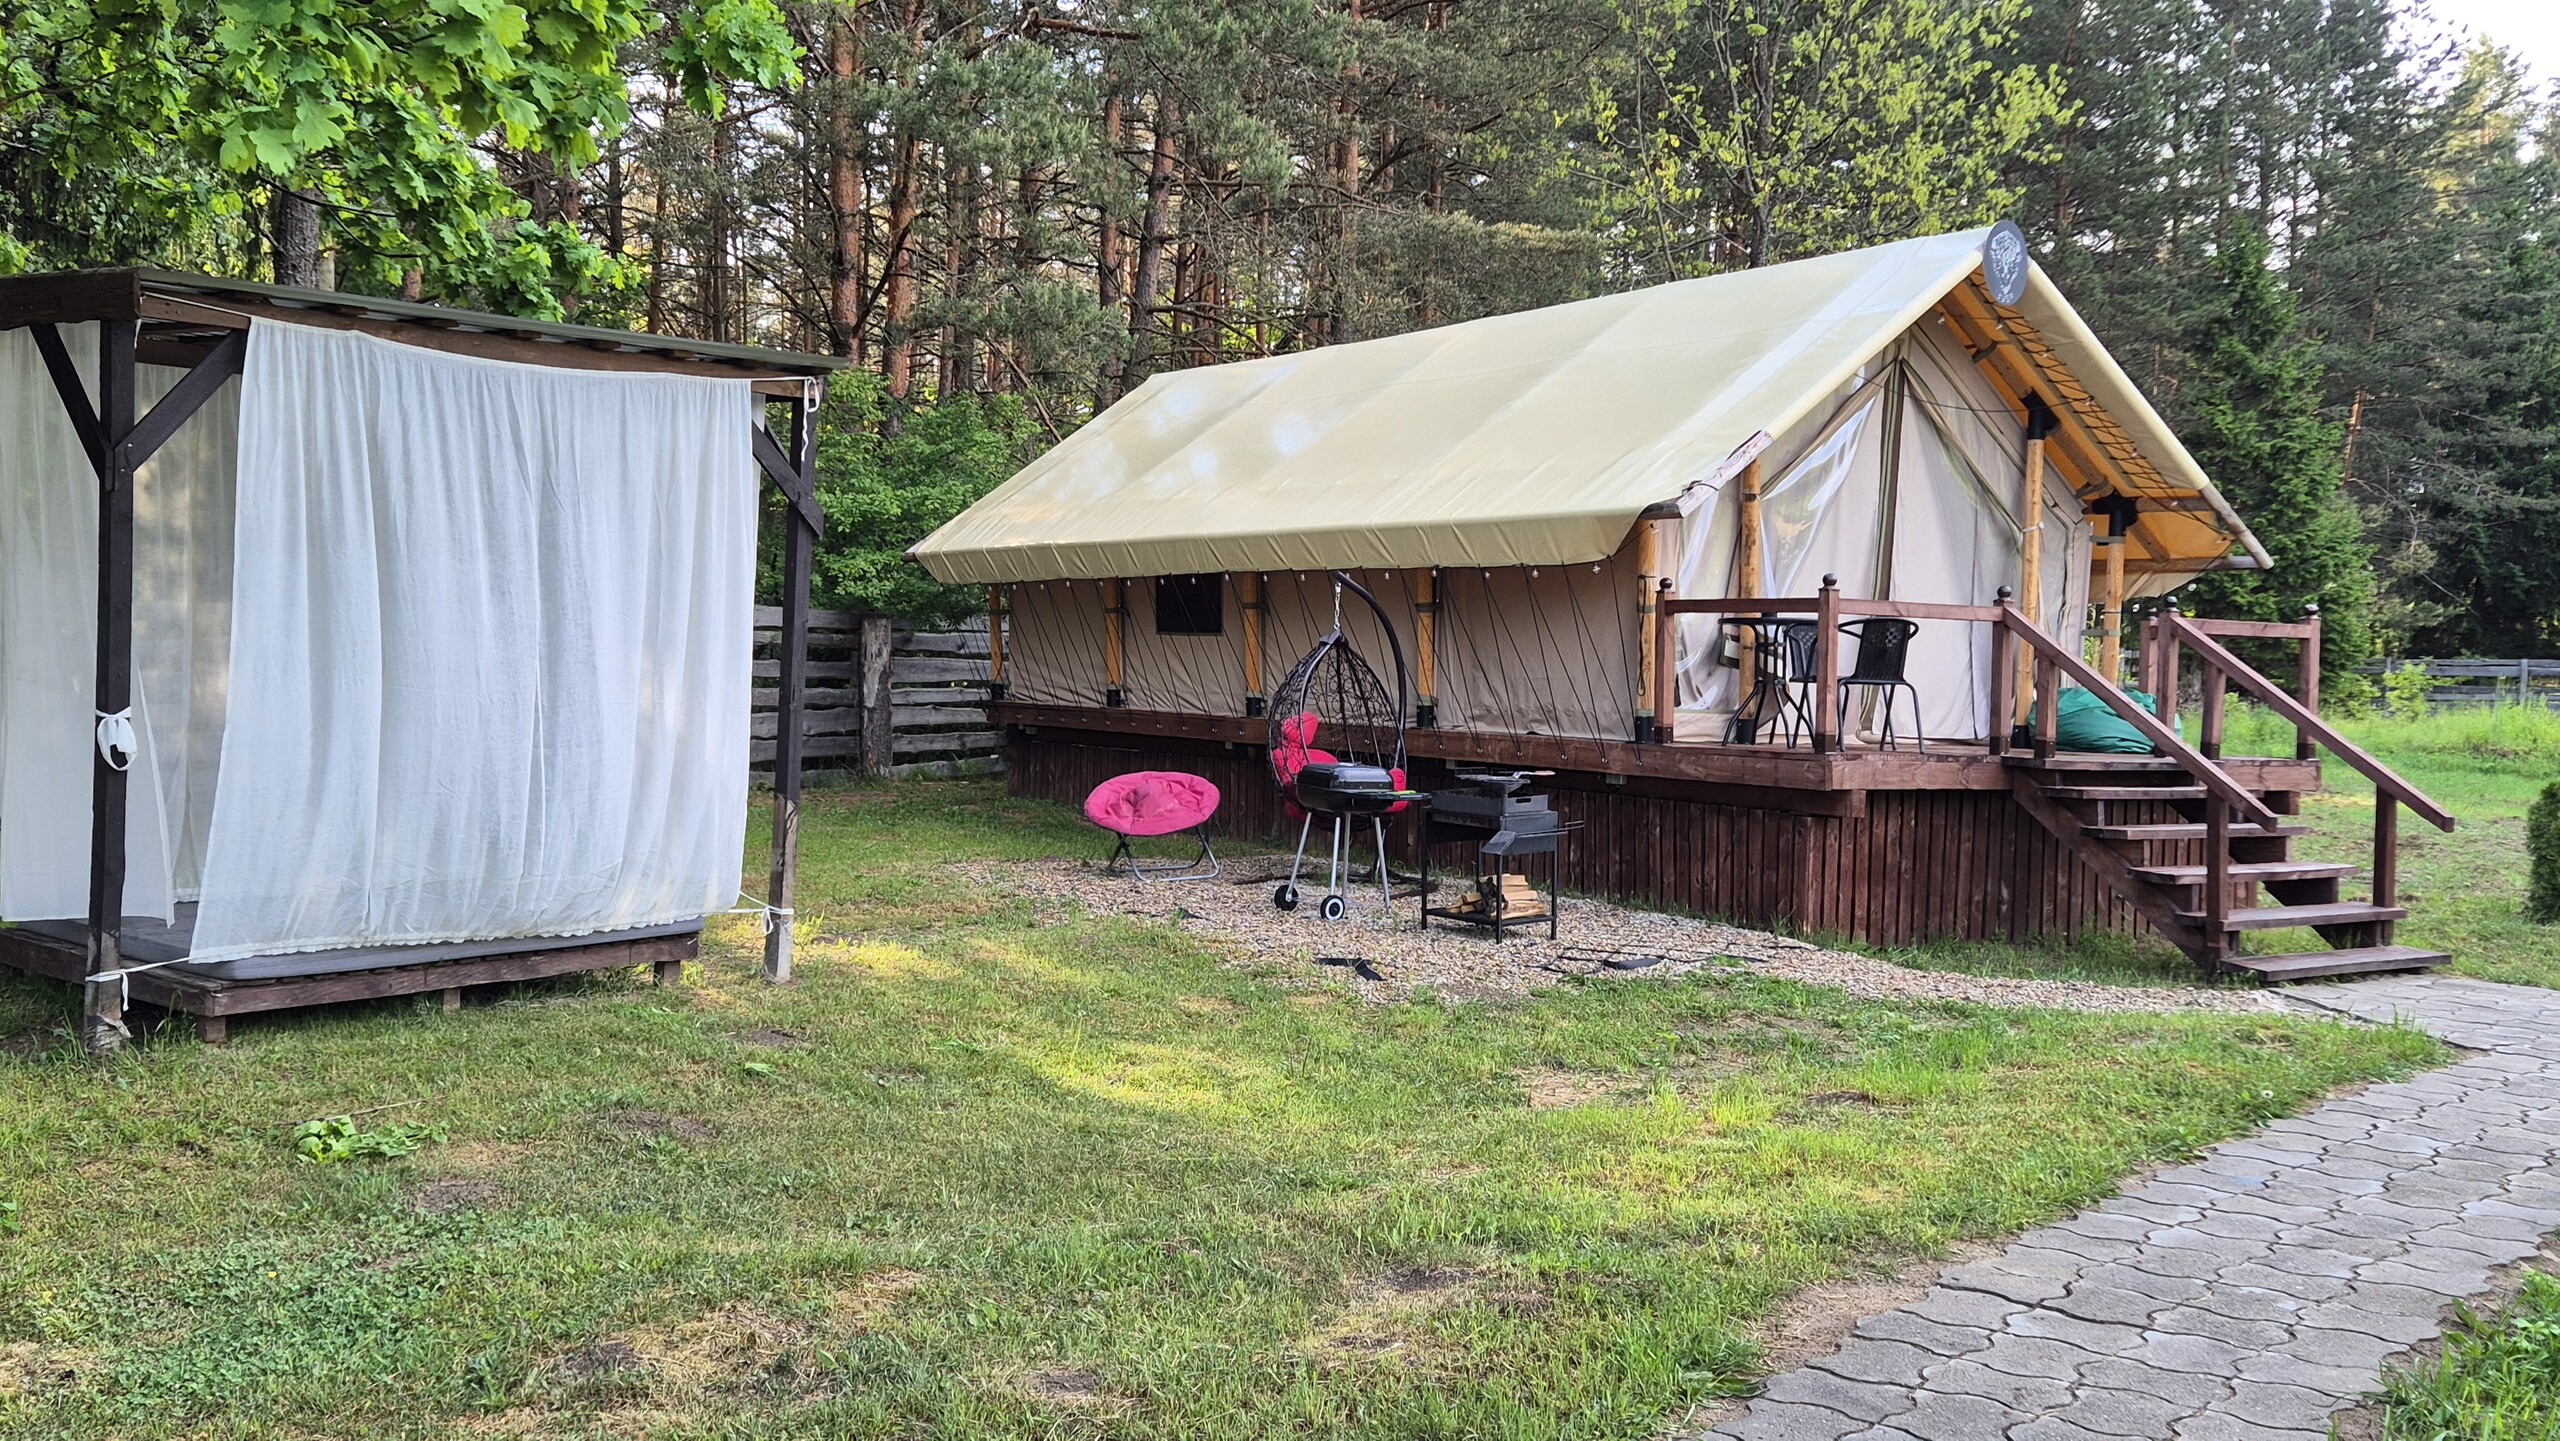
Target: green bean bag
2082 722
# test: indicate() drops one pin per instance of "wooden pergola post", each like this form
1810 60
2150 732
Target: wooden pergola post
117 443
102 1027
1115 625
1426 648
795 474
1746 567
1649 657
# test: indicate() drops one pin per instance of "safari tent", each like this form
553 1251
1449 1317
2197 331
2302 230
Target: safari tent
1528 480
351 648
1587 521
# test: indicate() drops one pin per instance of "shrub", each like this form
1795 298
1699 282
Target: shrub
2405 688
2542 845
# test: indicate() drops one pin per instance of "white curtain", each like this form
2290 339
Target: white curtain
489 658
48 639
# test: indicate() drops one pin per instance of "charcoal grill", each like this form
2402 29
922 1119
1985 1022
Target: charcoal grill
1496 812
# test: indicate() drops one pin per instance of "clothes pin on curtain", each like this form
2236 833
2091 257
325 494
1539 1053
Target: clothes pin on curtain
799 544
102 1027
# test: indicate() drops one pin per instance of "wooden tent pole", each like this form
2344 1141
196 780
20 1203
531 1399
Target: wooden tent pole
1746 565
1426 649
1115 623
996 610
800 540
2031 551
1252 584
1666 673
1649 657
102 1027
2111 615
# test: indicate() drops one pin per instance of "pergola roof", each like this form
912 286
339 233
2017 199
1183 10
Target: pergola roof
1541 437
181 310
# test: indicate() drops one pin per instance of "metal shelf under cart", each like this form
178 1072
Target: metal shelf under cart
1498 841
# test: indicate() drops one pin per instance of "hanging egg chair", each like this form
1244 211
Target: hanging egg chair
1337 749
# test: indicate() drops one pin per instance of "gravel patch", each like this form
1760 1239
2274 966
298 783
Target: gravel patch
1385 959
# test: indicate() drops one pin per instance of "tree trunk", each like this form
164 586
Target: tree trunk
898 301
1107 259
296 225
848 189
1151 238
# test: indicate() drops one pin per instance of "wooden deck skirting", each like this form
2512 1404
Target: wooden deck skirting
1887 848
213 1002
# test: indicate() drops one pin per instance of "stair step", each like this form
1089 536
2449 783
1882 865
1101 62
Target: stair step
2334 913
2247 871
2189 831
2125 793
2353 960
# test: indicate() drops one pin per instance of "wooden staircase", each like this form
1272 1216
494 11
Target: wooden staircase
2144 830
2204 859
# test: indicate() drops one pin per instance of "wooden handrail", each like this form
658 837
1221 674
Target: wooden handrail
2054 657
2272 696
2254 629
1810 605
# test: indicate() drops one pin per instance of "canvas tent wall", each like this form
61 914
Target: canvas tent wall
439 624
1533 446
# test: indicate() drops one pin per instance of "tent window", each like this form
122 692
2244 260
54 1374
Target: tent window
1190 605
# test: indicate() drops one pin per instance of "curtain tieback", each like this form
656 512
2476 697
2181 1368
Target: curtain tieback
115 737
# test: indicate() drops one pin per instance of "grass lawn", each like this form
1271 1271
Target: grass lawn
979 1176
2498 1378
2465 891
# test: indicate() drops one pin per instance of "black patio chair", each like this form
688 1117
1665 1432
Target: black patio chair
1884 649
1782 689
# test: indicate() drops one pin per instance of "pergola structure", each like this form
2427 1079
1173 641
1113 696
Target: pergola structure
201 324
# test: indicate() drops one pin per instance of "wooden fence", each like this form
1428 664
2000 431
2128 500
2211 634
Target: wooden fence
2472 681
882 698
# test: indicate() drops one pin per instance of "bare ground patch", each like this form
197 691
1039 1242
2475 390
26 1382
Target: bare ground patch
1384 1319
1552 1089
27 1367
1065 1386
454 1193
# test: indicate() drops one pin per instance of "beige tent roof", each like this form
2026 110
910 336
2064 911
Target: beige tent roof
1539 438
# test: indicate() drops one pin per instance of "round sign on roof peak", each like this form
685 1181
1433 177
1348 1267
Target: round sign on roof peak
2004 262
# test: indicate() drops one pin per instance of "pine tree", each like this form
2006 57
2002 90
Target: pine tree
2260 432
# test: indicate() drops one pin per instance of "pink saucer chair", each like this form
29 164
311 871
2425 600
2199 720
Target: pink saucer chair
1155 803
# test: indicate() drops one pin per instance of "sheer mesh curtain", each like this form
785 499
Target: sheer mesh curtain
490 650
48 639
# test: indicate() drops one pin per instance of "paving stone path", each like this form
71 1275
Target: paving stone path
2251 1294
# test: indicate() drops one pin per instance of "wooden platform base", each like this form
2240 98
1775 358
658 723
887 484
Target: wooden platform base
213 1002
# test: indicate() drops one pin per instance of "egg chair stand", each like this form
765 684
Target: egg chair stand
1337 752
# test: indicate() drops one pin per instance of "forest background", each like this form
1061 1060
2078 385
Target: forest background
2319 233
